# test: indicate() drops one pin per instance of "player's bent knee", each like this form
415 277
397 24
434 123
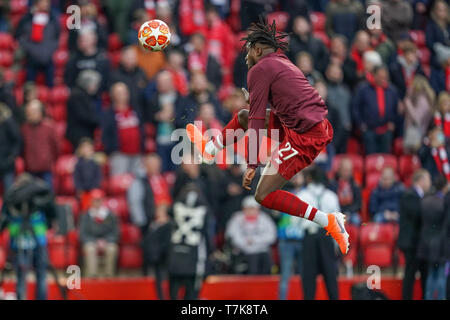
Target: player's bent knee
259 197
243 118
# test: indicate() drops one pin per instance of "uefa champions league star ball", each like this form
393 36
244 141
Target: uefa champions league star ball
154 35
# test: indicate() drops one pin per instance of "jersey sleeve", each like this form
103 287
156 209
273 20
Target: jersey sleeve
259 86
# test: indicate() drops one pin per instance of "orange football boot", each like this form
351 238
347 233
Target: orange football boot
196 137
336 228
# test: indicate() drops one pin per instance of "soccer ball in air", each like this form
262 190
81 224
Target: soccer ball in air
154 35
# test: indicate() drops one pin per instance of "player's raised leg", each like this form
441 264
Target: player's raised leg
269 195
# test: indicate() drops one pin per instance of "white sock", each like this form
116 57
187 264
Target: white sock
321 218
212 148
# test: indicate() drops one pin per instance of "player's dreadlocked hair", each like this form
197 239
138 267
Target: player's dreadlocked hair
265 33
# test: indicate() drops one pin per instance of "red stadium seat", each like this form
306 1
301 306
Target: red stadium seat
6 41
353 146
59 94
281 19
150 145
63 40
376 162
65 165
43 93
119 206
71 201
18 6
114 58
4 238
2 258
365 194
418 36
377 243
6 58
19 165
114 42
318 20
130 234
60 58
57 112
398 146
130 257
372 179
65 185
119 184
407 165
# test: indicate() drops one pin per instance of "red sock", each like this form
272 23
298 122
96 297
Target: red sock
286 202
227 139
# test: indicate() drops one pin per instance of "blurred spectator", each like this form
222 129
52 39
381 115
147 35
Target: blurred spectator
234 193
251 10
319 255
87 174
440 76
305 62
433 154
384 201
149 189
88 57
10 145
117 14
325 157
442 113
438 31
192 17
175 65
186 109
374 109
339 99
235 102
7 97
99 236
344 17
201 60
303 40
4 21
28 212
29 93
396 17
409 231
38 35
161 112
207 117
419 104
156 244
191 242
220 40
405 68
82 117
290 236
40 143
88 21
361 44
133 76
339 55
240 70
251 233
431 241
371 60
123 133
382 44
348 192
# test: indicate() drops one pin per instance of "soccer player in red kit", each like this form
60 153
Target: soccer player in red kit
296 110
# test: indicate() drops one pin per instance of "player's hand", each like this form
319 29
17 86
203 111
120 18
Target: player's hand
246 95
248 178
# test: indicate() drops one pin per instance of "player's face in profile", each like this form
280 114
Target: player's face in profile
250 59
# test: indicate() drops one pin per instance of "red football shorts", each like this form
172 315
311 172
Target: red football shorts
298 150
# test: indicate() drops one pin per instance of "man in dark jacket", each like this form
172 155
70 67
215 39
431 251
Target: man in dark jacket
38 35
82 118
89 56
431 241
385 198
10 143
409 229
405 68
303 40
134 77
191 242
374 109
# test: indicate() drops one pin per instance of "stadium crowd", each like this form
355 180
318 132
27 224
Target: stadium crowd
91 113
